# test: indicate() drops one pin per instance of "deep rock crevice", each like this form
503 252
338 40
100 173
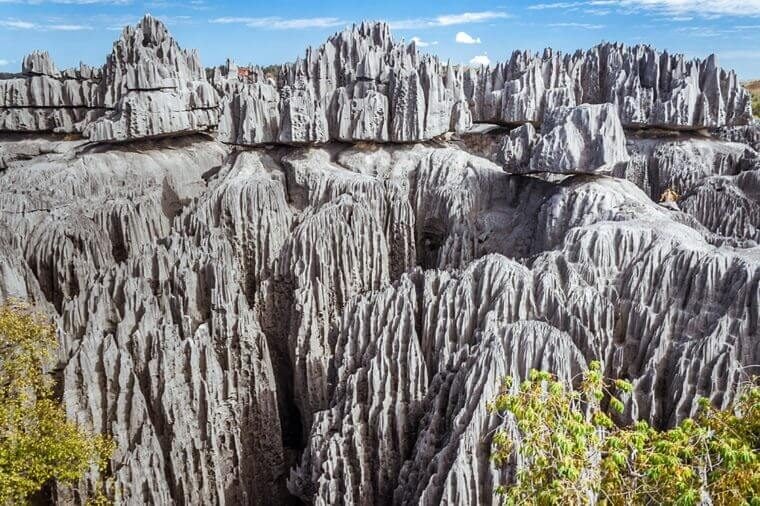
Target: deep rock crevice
314 299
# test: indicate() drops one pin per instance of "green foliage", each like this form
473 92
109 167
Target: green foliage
573 453
37 442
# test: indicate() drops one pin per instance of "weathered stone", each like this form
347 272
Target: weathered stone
329 322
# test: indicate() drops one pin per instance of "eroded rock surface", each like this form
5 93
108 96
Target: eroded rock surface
360 85
647 87
326 321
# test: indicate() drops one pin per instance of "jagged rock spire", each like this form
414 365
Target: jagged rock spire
361 85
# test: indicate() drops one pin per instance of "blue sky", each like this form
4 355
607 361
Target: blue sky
267 32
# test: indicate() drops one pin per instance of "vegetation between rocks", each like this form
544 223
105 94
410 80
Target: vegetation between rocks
568 450
37 442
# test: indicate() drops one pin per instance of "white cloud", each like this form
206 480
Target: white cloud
323 22
15 23
585 26
448 20
469 17
67 2
69 28
598 12
703 8
18 24
3 63
196 5
704 31
481 60
556 5
278 23
421 43
466 38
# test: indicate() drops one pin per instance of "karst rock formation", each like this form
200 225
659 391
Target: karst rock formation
307 284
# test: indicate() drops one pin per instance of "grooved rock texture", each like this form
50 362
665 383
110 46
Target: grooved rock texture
326 321
148 87
153 88
717 181
580 139
263 309
360 85
647 87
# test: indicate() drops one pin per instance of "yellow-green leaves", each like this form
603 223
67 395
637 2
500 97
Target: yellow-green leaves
37 442
574 453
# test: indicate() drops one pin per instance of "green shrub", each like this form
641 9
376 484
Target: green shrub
37 442
574 453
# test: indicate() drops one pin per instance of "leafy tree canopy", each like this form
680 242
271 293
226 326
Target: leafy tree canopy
568 450
37 442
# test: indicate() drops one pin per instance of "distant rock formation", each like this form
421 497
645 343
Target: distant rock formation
153 87
648 88
42 99
149 87
358 86
311 302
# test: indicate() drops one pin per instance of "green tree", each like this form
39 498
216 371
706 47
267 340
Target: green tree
37 442
571 451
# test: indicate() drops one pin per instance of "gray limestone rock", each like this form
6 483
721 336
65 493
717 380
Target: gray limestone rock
148 87
580 139
40 64
269 315
585 138
647 87
360 85
516 148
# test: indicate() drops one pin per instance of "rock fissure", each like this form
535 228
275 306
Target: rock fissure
314 300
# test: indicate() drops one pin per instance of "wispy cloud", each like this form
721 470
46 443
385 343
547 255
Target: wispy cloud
466 38
3 63
556 5
196 5
278 23
68 28
67 2
117 23
469 17
18 24
697 7
598 12
448 20
707 31
585 26
481 60
421 43
702 8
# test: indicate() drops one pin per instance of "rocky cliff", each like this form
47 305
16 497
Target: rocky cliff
307 286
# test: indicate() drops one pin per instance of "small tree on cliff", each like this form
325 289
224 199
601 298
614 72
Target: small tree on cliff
571 451
37 442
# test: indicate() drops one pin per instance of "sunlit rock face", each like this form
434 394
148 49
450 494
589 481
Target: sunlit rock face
311 302
647 87
148 87
580 139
